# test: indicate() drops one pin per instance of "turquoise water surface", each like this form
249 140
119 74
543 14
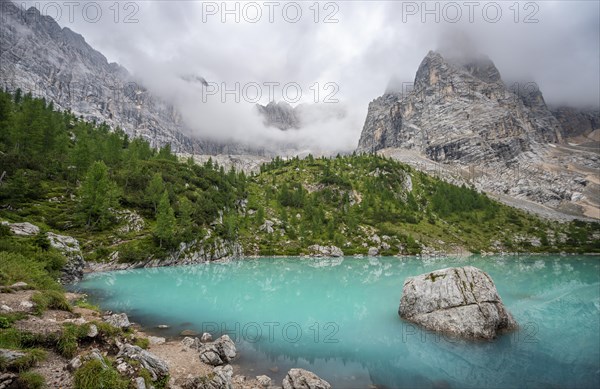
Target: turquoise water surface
338 318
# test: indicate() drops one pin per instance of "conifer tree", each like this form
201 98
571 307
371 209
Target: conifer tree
165 222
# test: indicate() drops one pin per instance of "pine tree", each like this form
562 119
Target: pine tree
184 220
155 190
98 195
165 222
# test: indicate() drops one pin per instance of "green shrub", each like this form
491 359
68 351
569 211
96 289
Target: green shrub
30 359
95 375
83 303
50 299
4 322
15 267
68 341
106 330
10 338
142 342
31 380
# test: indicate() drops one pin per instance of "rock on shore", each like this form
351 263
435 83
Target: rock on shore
459 301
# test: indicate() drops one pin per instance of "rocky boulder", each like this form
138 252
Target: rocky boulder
217 353
304 379
155 366
325 251
459 301
24 229
219 379
69 246
119 320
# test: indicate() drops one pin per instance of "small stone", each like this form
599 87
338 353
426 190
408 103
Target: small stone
188 333
206 337
92 331
264 381
155 340
140 383
373 251
19 285
5 308
162 326
26 304
74 364
123 367
189 342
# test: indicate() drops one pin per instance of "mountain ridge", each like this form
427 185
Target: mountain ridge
462 115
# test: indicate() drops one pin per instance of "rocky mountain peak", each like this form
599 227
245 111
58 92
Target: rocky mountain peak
41 58
436 68
280 115
460 113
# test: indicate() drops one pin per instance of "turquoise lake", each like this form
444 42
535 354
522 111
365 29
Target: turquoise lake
338 318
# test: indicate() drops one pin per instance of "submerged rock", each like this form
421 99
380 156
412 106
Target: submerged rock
459 301
304 379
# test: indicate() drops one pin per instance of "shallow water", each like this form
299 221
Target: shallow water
338 318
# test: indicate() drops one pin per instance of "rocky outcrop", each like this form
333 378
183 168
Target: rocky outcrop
219 379
198 251
69 246
119 320
577 122
461 118
459 109
304 379
23 229
216 353
325 251
457 301
280 115
155 366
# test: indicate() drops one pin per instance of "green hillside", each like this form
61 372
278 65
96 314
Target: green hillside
116 194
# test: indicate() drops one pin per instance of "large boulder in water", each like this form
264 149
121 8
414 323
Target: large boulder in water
459 301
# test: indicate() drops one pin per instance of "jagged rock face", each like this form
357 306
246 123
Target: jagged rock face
577 122
459 301
69 246
38 56
459 110
280 115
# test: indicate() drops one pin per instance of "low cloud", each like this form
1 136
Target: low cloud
555 44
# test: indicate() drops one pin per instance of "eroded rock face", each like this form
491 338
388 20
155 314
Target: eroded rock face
38 56
458 301
459 109
304 379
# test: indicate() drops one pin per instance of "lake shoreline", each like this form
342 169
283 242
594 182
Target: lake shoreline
103 267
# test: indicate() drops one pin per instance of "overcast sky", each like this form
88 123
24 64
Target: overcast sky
555 44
